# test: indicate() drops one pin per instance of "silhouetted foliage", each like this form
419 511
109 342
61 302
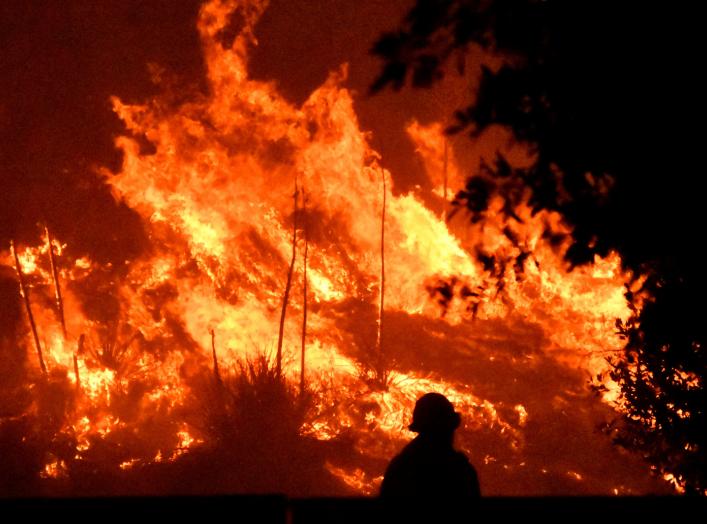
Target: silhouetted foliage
254 404
253 423
604 95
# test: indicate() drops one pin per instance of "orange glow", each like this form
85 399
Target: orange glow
433 146
216 200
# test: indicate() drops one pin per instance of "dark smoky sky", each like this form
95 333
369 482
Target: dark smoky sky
62 60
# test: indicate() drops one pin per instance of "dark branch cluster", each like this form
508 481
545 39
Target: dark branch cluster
607 99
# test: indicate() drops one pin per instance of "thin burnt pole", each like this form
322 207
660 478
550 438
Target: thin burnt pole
24 292
382 285
55 278
217 373
304 293
444 174
286 295
79 350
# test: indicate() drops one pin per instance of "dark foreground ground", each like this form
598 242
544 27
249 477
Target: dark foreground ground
280 509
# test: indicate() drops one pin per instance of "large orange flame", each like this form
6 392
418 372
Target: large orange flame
216 196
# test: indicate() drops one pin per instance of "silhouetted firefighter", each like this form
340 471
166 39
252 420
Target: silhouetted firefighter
429 470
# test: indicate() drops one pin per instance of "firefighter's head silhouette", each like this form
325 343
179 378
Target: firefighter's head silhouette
429 469
433 413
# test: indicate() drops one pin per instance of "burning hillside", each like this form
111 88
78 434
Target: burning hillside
280 248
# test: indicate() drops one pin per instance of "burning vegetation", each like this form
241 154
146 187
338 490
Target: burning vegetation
291 307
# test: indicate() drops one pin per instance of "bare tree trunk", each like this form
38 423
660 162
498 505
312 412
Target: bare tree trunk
286 295
217 373
304 294
25 295
381 355
57 288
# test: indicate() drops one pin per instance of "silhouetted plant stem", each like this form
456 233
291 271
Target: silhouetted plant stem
55 279
381 355
217 373
286 296
444 174
79 350
24 292
304 295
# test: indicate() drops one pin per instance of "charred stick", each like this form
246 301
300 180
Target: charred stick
217 374
446 162
286 295
55 278
304 294
79 350
382 282
25 295
76 372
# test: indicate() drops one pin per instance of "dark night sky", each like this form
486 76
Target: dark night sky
61 61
